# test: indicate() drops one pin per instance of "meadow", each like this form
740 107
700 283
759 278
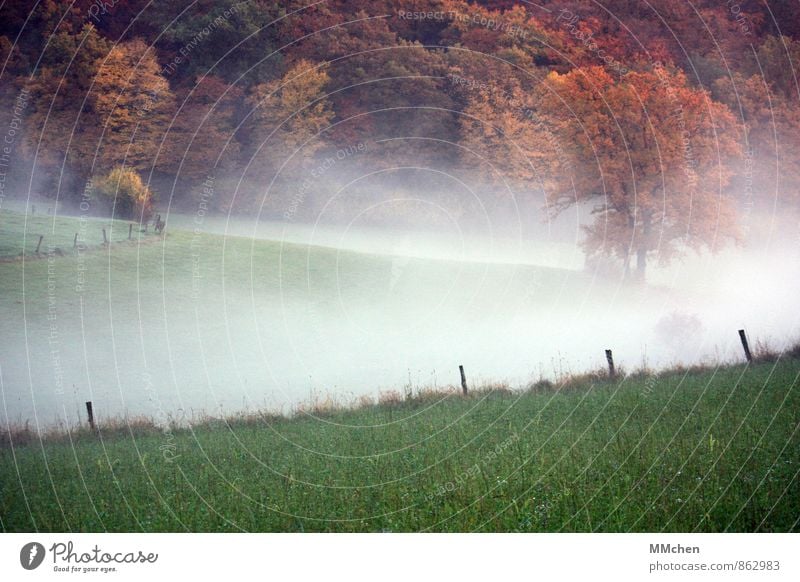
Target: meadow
216 320
694 450
712 447
21 231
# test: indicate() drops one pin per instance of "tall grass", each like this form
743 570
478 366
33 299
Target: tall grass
690 450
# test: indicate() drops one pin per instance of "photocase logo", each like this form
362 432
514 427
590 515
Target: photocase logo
32 555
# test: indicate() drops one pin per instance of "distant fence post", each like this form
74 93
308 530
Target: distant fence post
41 236
612 372
747 354
90 414
105 238
130 231
463 379
75 241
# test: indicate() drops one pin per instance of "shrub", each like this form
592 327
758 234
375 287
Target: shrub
123 193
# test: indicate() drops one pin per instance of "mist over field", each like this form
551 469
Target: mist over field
334 312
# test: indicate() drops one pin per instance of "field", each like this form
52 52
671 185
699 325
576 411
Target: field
177 261
237 319
22 231
711 451
711 448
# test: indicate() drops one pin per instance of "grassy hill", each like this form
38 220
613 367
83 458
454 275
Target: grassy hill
215 320
191 264
714 450
20 232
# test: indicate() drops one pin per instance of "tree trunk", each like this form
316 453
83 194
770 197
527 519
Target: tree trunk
641 263
641 252
627 272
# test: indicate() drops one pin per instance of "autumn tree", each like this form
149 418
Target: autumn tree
505 142
291 112
651 154
771 123
95 107
286 122
122 193
61 131
133 104
200 137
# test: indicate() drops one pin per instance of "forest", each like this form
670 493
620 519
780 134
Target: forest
669 123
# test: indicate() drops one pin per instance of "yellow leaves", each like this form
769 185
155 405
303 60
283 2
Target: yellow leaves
554 77
133 102
294 109
128 80
123 186
297 89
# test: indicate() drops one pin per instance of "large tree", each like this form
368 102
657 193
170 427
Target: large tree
133 104
61 130
289 114
285 128
772 122
651 153
200 137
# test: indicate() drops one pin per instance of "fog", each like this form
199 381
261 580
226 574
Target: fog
404 311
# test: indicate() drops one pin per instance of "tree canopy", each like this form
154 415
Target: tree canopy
659 120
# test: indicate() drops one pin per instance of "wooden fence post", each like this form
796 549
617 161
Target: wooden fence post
105 238
130 231
75 241
41 236
612 372
747 354
463 379
90 414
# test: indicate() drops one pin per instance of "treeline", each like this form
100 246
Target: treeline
622 103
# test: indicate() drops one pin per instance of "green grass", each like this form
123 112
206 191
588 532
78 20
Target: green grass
714 450
183 267
19 231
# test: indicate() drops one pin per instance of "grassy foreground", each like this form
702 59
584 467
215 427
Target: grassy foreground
705 450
